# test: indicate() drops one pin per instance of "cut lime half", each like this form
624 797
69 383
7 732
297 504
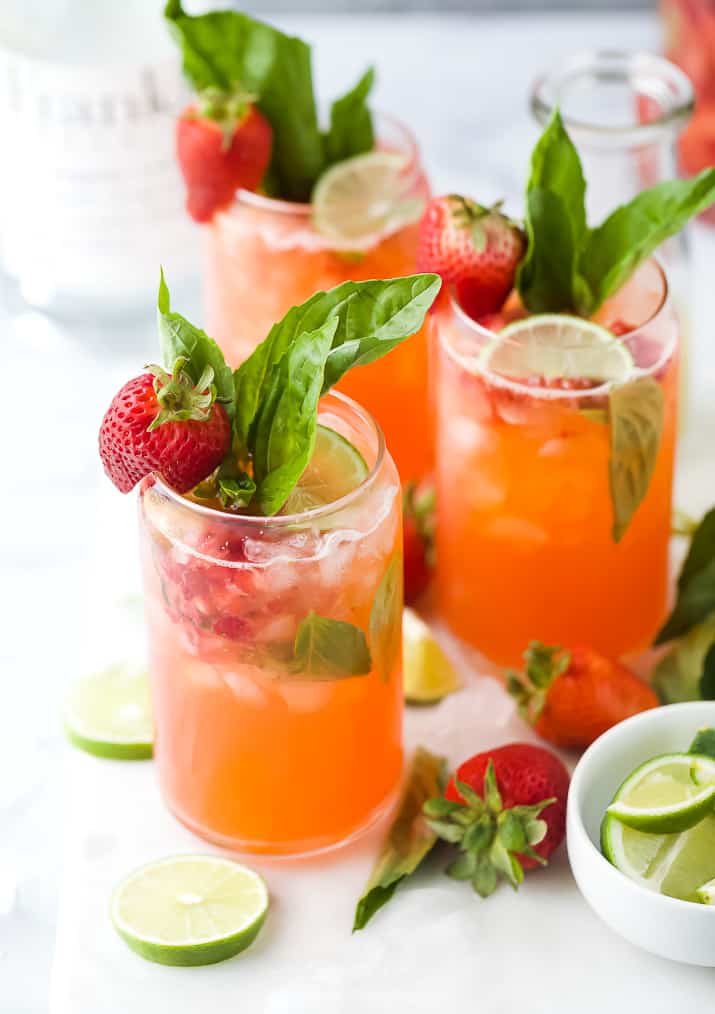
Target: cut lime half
667 794
360 199
190 910
706 893
108 714
336 468
557 346
678 865
428 674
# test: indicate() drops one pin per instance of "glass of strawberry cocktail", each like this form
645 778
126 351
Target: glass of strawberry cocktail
556 410
275 650
271 526
313 210
527 543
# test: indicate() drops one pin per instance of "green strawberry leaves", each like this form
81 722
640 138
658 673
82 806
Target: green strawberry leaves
409 839
329 649
278 387
224 49
181 340
636 413
571 268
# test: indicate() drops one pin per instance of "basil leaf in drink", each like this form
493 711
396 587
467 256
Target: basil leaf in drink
373 317
696 583
329 649
179 338
633 231
555 223
225 49
386 619
677 675
409 839
704 742
351 131
636 423
288 418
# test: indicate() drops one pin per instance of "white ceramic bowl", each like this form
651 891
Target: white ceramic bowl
680 930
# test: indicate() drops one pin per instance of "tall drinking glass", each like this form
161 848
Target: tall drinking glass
275 652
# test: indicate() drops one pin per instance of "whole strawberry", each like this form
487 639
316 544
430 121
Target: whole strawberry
474 248
222 143
160 422
417 538
505 809
572 697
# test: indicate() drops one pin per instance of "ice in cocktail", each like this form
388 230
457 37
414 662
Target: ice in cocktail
557 352
270 516
317 209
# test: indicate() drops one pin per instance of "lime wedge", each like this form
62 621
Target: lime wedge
706 893
189 910
678 865
667 794
335 469
554 346
360 199
108 714
428 675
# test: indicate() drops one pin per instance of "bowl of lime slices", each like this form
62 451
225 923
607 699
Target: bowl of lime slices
641 830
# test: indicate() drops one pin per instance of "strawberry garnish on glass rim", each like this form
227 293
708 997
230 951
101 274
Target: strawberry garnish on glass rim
223 143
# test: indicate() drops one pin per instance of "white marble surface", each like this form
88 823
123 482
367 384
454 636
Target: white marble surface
66 540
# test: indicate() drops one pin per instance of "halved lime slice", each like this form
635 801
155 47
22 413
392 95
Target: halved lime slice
674 864
361 198
667 794
706 893
108 714
335 469
190 910
557 346
428 675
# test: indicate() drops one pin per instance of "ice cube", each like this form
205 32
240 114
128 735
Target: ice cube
305 697
244 687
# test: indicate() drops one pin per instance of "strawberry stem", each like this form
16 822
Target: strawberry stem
177 395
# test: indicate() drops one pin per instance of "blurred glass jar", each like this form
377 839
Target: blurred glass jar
690 43
90 196
625 112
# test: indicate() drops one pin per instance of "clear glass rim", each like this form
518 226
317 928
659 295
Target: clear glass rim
278 521
675 95
554 394
278 206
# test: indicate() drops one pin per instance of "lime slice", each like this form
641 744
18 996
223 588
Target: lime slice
335 469
361 198
667 794
706 893
554 346
190 910
428 675
678 865
108 714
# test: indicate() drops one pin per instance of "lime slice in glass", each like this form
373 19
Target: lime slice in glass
108 714
335 469
667 794
428 675
190 910
361 198
556 346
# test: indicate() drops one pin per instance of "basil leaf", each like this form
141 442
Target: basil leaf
704 742
225 48
386 619
634 230
372 318
677 676
180 338
707 677
409 839
329 649
351 131
636 422
696 583
555 223
288 418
